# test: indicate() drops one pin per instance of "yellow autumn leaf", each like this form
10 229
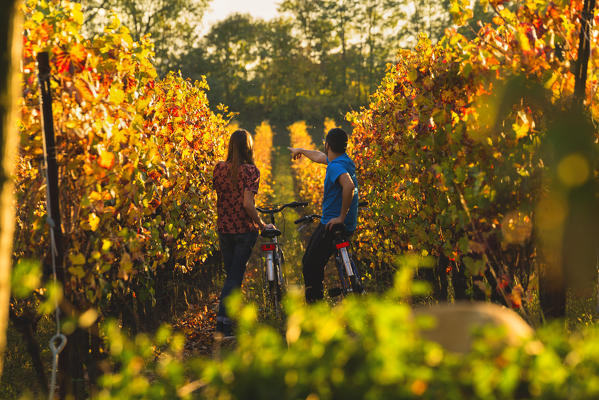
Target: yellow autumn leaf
88 318
87 169
116 95
118 135
106 244
77 14
94 221
524 43
38 17
549 83
189 136
95 196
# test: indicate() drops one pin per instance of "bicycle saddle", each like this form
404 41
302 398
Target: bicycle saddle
270 233
338 228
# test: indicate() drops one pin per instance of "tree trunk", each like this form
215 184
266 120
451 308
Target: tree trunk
569 250
568 243
584 51
10 50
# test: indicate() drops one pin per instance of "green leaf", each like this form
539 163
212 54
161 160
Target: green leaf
53 296
467 69
77 259
78 271
475 267
25 278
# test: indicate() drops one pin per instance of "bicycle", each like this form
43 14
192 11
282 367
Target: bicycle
347 268
274 258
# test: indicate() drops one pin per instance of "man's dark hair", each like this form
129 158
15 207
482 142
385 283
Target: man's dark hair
337 140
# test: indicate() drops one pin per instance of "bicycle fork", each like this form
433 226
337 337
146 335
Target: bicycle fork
348 271
342 250
344 266
271 256
269 251
273 275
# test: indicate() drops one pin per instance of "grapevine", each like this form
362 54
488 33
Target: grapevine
263 159
446 170
135 158
309 176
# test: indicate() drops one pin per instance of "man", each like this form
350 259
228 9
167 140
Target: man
339 206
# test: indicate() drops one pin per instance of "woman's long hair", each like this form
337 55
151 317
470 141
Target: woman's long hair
241 151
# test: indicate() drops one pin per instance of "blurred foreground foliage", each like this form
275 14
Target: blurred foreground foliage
364 348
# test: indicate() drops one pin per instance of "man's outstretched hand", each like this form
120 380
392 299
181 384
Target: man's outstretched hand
313 155
296 153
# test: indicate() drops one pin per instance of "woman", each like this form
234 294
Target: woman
236 183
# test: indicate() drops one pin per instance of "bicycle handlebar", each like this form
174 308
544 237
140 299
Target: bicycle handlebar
307 218
293 204
311 218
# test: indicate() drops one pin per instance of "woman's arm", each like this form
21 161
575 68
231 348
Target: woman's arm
250 207
217 177
314 155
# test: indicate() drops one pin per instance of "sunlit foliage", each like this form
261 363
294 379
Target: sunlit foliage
308 176
447 169
263 158
135 158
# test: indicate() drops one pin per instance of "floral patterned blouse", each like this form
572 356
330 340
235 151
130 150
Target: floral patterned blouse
232 217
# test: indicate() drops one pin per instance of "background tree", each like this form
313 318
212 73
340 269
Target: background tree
316 58
342 14
430 17
379 21
281 74
483 13
232 49
172 24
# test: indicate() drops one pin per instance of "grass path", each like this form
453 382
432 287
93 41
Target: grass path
291 241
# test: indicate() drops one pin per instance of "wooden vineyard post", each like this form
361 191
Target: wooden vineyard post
70 367
50 164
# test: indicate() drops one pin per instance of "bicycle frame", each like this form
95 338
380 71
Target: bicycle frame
346 267
273 256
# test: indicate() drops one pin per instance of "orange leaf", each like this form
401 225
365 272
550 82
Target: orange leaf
106 159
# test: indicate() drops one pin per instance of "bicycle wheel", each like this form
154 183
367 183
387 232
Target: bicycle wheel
279 271
343 279
274 301
275 294
355 280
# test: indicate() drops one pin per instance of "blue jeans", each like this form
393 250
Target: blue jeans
236 249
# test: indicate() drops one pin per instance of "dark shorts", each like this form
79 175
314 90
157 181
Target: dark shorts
319 250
